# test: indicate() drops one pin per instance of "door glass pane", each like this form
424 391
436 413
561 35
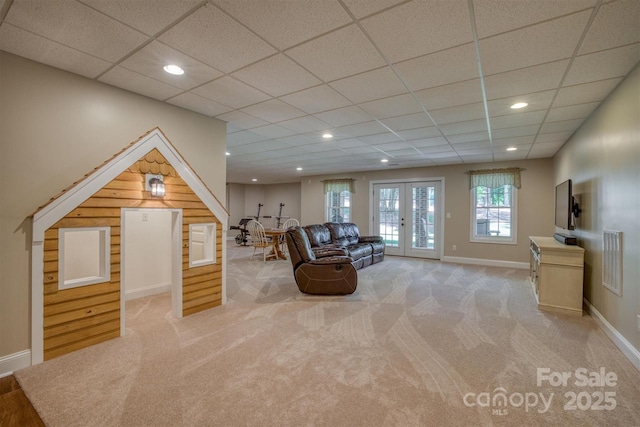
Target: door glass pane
423 218
388 212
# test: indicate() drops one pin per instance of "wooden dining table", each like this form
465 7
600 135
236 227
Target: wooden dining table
275 234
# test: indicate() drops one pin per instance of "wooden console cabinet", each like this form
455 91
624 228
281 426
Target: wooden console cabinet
556 273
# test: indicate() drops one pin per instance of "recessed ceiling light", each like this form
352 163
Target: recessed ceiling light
518 105
384 160
512 149
174 69
227 153
254 179
327 136
298 169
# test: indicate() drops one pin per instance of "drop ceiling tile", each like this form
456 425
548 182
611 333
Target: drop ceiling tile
241 120
588 92
547 146
231 92
426 27
360 129
514 141
538 44
272 131
149 16
362 8
36 48
316 99
277 76
77 26
581 111
474 152
616 24
515 131
407 152
287 23
344 116
469 137
517 120
151 59
349 143
244 137
339 54
532 79
360 150
464 127
273 111
439 154
409 121
536 101
481 146
305 124
217 40
503 156
603 65
394 106
564 126
137 83
296 141
422 143
371 85
381 139
433 150
460 113
451 95
420 133
553 137
199 104
440 68
497 16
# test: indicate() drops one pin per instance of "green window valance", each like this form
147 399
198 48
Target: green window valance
339 185
494 178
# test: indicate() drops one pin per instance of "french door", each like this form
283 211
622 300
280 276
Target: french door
407 216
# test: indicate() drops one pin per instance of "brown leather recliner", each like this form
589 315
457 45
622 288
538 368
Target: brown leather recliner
330 275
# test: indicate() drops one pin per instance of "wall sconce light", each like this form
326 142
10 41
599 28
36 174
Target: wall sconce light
155 184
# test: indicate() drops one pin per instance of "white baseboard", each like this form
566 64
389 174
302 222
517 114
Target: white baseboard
487 262
621 342
147 292
12 362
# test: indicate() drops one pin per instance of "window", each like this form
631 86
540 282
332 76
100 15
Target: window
493 214
338 205
202 244
84 256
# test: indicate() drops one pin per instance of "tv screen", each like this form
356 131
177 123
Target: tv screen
564 205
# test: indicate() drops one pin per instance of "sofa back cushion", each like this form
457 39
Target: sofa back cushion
299 246
318 235
344 233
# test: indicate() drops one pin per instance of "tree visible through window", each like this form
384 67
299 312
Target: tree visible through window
338 205
493 213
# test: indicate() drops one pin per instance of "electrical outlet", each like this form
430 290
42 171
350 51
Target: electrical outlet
448 214
455 248
145 216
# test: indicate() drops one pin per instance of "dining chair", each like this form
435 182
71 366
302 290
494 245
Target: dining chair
259 239
291 222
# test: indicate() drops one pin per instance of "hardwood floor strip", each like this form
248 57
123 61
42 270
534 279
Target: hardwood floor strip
15 407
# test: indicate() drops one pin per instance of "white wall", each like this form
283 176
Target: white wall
147 248
603 161
55 127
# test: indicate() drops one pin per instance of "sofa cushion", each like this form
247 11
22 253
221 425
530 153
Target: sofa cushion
360 250
318 235
344 233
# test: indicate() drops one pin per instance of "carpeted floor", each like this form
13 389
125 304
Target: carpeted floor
420 343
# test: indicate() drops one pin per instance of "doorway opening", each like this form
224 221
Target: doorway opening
151 259
408 215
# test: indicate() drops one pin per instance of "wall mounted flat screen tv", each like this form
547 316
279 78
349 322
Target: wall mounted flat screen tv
564 205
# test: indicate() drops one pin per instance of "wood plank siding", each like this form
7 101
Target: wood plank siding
79 317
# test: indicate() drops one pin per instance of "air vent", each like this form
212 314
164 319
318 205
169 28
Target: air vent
612 261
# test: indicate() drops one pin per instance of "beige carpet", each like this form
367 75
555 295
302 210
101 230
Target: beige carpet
415 342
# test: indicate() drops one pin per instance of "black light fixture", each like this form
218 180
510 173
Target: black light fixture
155 184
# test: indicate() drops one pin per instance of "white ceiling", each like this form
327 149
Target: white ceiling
420 83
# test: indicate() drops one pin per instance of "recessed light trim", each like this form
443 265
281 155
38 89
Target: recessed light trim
174 69
384 160
254 179
327 136
298 168
519 105
227 153
512 149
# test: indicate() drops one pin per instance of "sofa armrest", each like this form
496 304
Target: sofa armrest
327 251
366 239
331 260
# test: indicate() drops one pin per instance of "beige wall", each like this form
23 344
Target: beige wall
54 128
603 160
244 199
535 205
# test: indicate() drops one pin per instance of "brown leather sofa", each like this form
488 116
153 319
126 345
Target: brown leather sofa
343 238
330 275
